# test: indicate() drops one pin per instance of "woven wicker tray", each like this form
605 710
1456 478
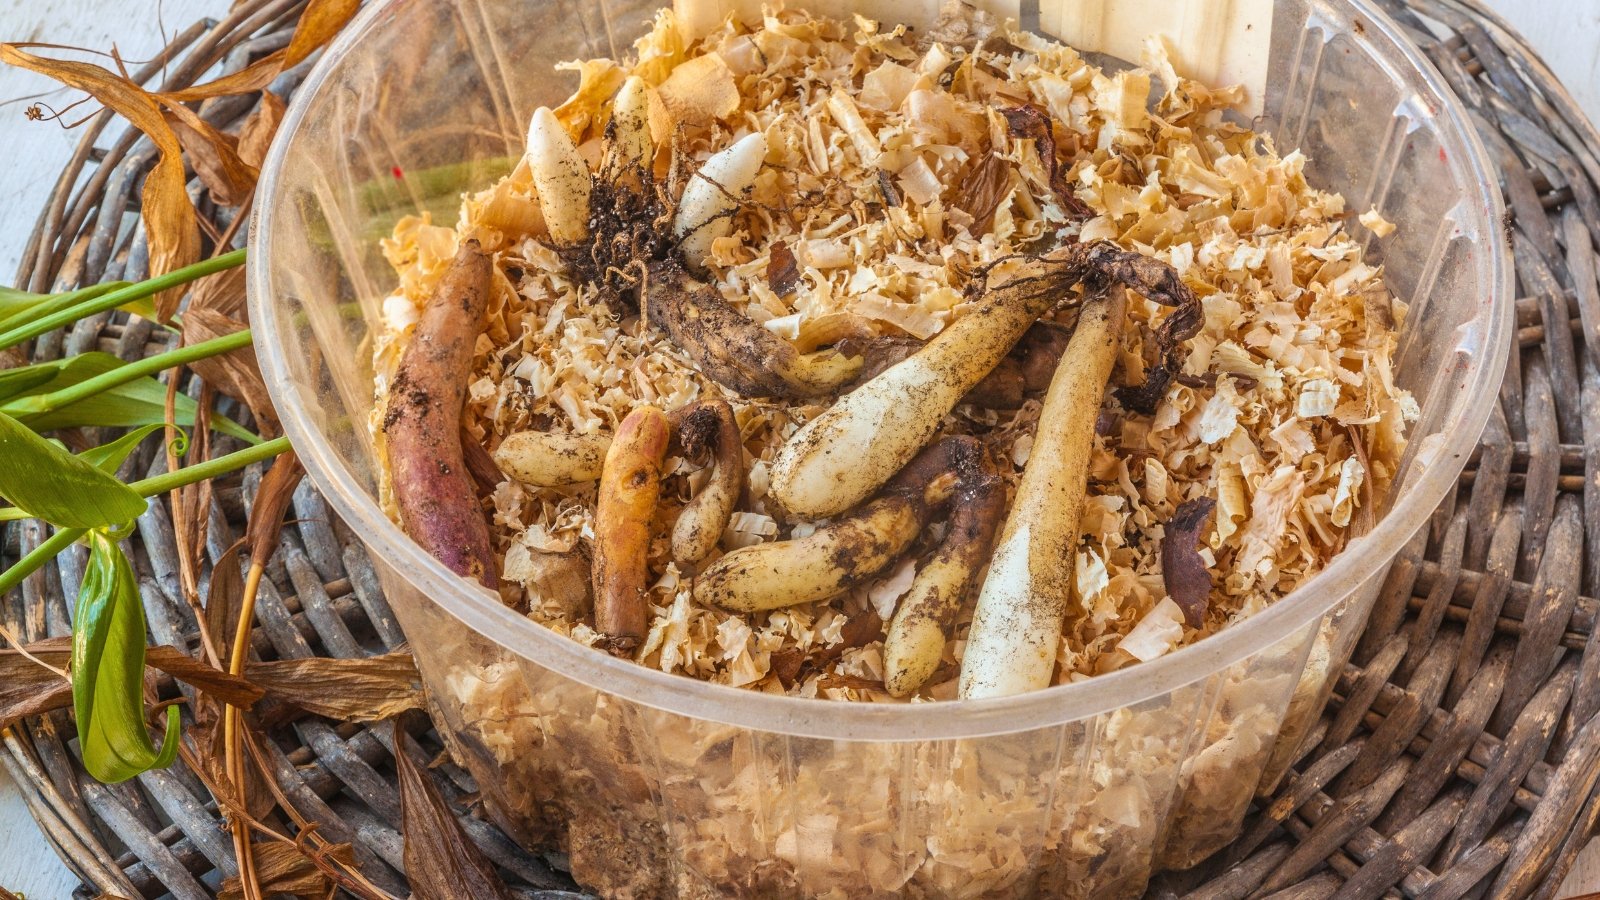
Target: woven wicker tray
1460 754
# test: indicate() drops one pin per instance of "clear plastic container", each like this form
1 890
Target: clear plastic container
659 784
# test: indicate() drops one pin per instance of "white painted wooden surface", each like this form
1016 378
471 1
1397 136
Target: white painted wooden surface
1567 32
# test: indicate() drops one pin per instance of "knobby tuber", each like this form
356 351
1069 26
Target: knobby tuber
630 487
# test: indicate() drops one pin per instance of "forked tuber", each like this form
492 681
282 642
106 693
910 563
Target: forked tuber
1016 628
630 487
845 454
834 557
433 486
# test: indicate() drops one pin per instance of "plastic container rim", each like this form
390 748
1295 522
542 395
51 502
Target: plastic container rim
482 612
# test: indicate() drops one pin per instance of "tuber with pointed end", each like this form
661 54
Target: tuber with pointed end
705 212
552 459
916 639
834 557
845 454
630 487
433 486
734 350
559 177
1016 628
629 150
708 429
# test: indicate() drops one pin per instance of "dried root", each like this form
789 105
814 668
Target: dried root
708 429
1016 628
630 487
833 558
433 486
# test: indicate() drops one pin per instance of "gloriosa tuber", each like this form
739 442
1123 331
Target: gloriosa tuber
1016 628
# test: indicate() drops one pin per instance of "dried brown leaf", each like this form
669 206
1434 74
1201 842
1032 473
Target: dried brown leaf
258 130
987 187
236 374
214 156
441 862
266 517
169 217
286 869
222 292
350 690
318 24
1183 572
783 273
229 689
227 590
27 688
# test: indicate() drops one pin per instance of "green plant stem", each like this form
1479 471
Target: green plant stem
167 481
41 554
116 298
59 302
211 468
121 375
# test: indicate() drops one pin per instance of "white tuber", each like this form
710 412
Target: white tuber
1016 627
560 178
630 148
704 212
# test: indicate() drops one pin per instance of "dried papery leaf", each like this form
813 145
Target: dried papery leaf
1029 123
285 869
441 863
1183 572
214 156
350 690
259 128
318 24
987 187
266 516
236 374
169 217
222 293
227 589
207 678
27 688
783 273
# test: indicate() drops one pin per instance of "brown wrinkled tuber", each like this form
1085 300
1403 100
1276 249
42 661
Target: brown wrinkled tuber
846 552
916 639
433 487
630 487
734 350
708 428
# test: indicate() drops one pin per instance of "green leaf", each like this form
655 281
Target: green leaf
49 483
109 457
14 301
108 648
141 402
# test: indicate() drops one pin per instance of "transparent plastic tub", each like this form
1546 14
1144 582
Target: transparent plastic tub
663 785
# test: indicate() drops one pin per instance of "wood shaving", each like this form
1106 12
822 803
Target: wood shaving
1288 373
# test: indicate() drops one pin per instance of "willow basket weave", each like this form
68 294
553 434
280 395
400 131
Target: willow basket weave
1460 754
